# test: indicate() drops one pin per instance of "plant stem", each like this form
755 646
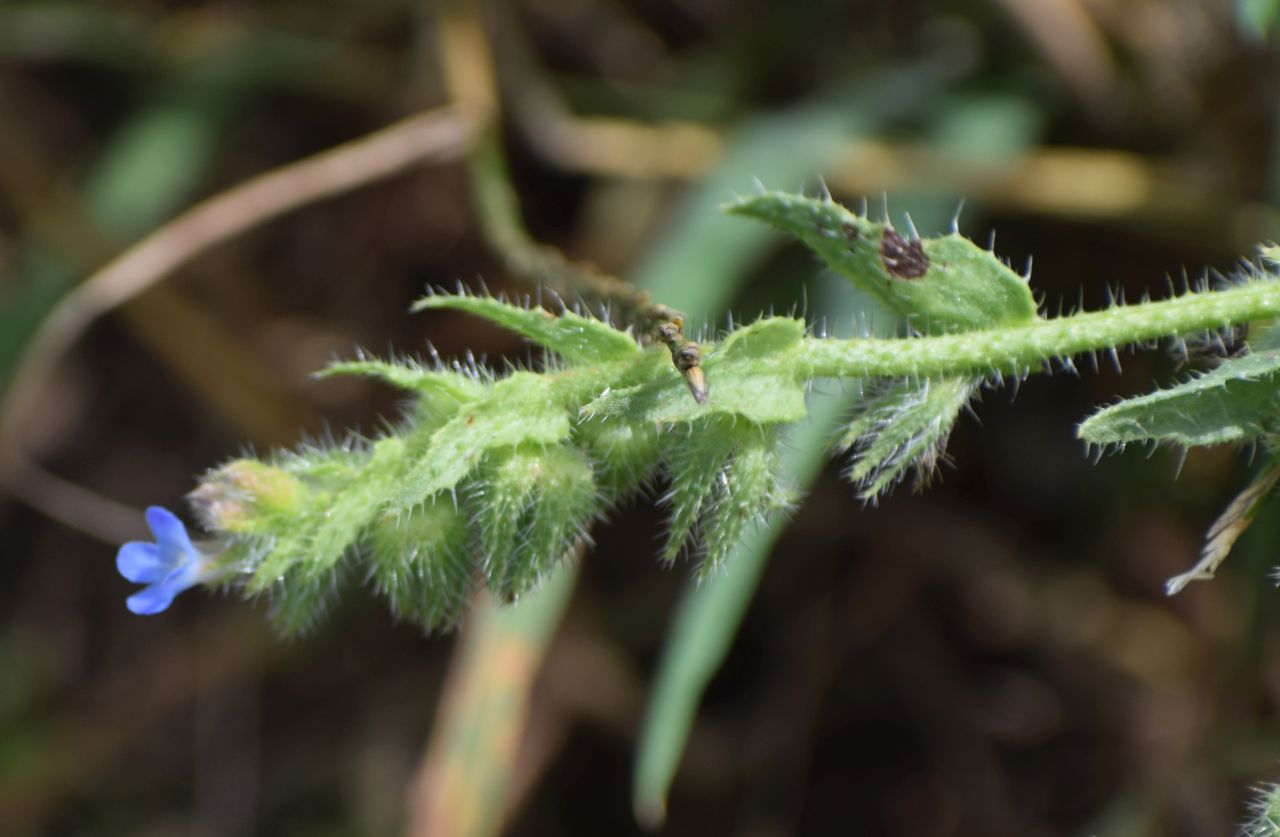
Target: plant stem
1017 349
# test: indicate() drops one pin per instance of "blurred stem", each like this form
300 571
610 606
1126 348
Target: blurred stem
498 211
1058 181
461 788
213 221
433 135
470 74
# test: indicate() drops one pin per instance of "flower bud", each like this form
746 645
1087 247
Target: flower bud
243 495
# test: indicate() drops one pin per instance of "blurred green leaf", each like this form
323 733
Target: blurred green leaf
1257 16
986 127
717 251
708 617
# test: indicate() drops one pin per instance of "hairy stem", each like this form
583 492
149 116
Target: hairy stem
1017 349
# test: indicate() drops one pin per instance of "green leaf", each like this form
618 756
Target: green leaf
1257 17
1238 400
747 374
412 376
520 408
422 563
300 597
576 338
696 462
623 455
699 242
531 506
903 425
749 491
955 285
333 521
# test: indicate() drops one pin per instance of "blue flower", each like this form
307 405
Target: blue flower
168 566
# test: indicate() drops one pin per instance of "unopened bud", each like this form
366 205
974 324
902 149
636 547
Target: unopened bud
240 495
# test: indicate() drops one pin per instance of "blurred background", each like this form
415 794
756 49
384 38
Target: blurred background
993 656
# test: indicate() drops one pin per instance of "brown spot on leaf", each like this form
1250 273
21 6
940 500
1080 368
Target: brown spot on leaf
902 258
850 231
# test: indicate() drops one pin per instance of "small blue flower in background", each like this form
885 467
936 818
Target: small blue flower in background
168 566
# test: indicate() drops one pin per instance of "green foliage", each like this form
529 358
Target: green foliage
421 563
576 338
500 477
959 287
751 380
724 475
747 490
1258 17
902 426
441 391
624 455
520 409
531 505
1237 401
1264 814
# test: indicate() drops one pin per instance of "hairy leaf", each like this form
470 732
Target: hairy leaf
1237 401
751 488
531 506
623 455
937 285
748 374
520 408
576 338
336 518
696 460
412 376
422 564
902 425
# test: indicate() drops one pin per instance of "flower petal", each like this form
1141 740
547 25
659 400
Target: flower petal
151 599
142 563
171 534
160 595
170 565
